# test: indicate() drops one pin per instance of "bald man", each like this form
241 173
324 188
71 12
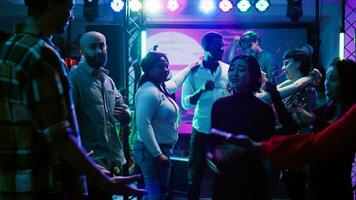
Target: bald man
98 106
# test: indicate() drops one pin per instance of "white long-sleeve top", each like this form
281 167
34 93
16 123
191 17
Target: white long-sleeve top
202 112
157 114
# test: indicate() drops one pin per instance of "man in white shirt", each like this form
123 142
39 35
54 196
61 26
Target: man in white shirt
200 90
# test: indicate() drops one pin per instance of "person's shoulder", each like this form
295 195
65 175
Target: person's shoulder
148 88
75 72
107 76
42 57
26 45
223 100
259 103
50 55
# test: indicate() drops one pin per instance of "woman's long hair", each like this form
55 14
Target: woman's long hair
346 75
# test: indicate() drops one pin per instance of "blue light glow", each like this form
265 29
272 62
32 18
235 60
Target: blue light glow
135 5
262 5
243 5
117 5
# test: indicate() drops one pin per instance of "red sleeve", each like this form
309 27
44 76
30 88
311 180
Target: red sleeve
295 150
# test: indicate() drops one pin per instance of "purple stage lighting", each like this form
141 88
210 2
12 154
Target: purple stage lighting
207 6
173 5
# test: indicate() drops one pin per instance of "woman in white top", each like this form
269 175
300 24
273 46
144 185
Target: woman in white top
157 122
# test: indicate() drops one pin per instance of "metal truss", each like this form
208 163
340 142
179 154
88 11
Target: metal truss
350 27
133 29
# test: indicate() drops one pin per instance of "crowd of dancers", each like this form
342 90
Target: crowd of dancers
58 125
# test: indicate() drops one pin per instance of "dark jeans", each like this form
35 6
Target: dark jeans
197 163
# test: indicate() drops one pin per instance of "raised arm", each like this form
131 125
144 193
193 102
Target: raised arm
173 84
296 150
235 44
287 89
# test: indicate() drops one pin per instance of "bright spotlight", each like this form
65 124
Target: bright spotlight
207 6
143 44
154 6
243 5
225 5
117 5
262 5
172 5
135 5
341 45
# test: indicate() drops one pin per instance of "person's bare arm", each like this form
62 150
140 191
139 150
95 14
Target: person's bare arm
234 46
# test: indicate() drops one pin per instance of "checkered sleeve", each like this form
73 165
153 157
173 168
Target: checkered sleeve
45 96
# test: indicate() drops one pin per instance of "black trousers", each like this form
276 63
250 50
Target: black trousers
197 163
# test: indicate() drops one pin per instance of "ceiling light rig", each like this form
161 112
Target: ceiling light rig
173 5
262 5
225 5
207 6
135 5
243 5
154 6
117 5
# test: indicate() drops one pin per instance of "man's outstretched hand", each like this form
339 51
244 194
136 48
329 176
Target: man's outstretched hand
120 185
238 139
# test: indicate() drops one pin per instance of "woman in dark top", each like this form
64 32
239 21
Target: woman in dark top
241 176
330 178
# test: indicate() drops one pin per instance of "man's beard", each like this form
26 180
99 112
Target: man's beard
96 61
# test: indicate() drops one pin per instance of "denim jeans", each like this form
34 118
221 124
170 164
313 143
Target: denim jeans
155 176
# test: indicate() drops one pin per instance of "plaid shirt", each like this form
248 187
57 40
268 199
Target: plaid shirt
34 114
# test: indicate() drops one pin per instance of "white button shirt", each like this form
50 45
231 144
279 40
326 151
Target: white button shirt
202 113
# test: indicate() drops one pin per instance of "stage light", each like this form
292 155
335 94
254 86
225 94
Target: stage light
207 6
154 6
135 5
172 5
117 5
243 5
341 45
90 10
225 5
143 44
262 5
294 10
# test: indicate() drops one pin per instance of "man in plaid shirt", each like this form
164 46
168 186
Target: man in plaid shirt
40 151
